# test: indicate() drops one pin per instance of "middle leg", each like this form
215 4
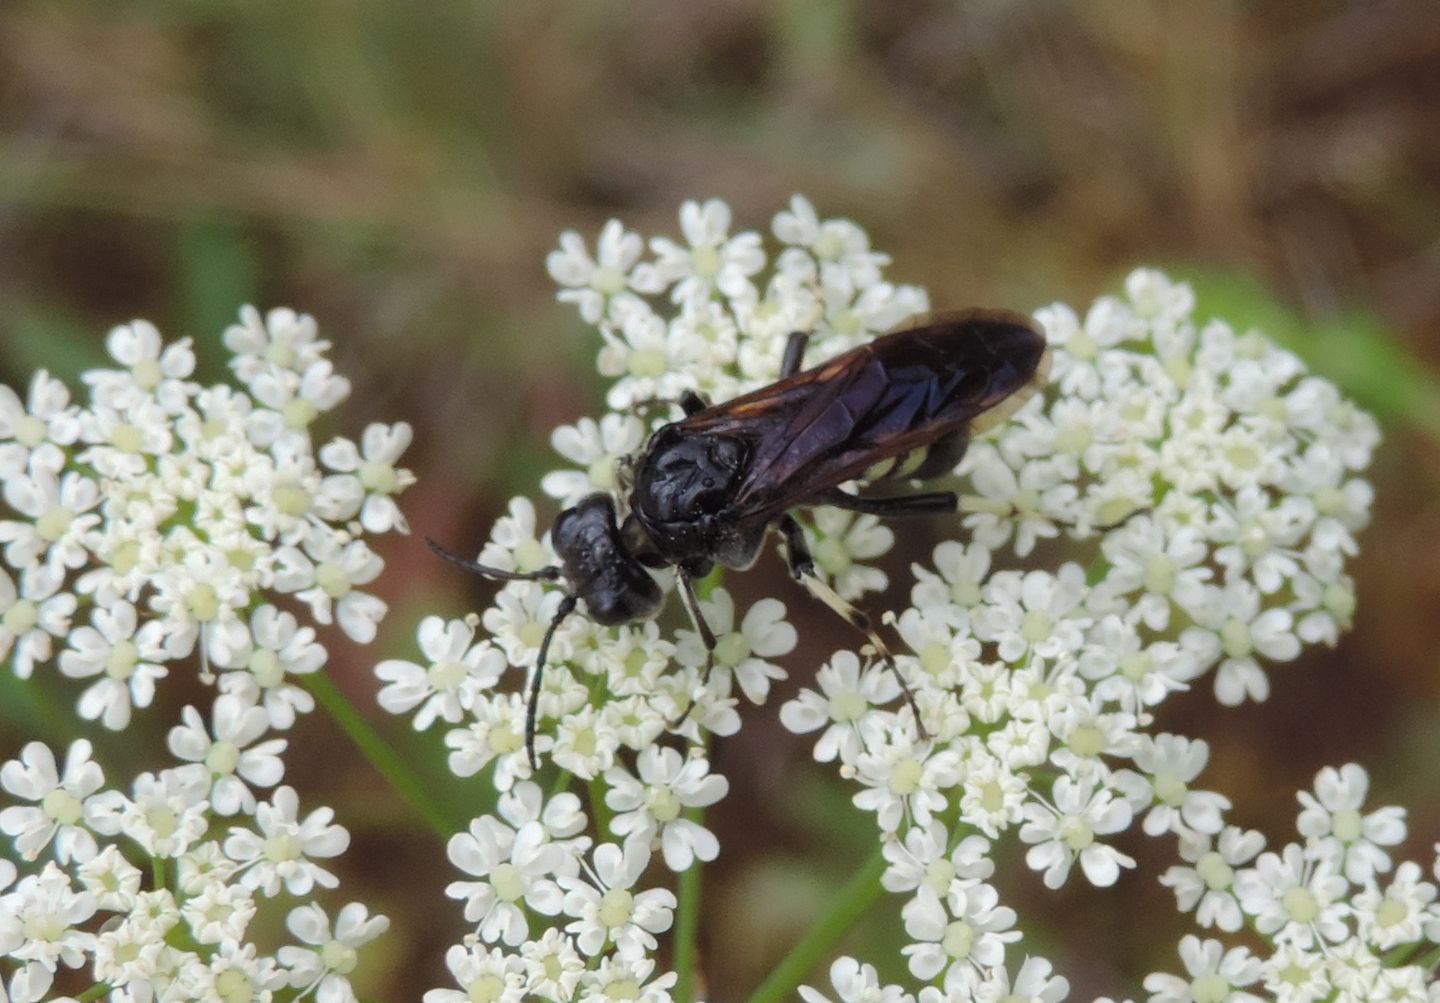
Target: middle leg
707 638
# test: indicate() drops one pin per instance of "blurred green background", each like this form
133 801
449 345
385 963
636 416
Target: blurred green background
400 170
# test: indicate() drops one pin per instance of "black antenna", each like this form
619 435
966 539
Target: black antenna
549 573
532 699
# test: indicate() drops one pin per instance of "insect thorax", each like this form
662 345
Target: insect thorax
684 476
682 492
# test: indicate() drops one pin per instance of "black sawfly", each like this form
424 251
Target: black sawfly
707 489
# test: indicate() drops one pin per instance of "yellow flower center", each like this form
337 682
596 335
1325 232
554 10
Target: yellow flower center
1235 638
1300 905
1170 789
832 556
1036 626
1390 913
222 758
20 618
1349 826
615 907
232 986
147 374
290 499
905 777
486 989
339 957
162 820
445 675
959 939
1159 574
298 413
1210 989
332 580
706 261
62 806
126 438
646 363
621 989
732 649
662 804
120 663
1213 870
504 739
507 882
1076 833
607 281
935 659
281 847
1086 741
266 668
602 473
29 431
847 707
378 478
938 875
202 602
992 796
1136 665
53 524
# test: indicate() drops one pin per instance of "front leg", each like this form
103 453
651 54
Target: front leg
707 636
692 403
692 606
802 567
794 353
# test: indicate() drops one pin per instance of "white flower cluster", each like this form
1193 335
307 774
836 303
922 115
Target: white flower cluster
1223 483
1219 479
167 511
151 528
1338 919
182 928
1340 924
534 858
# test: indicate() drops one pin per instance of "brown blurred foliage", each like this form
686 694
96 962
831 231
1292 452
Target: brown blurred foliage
400 171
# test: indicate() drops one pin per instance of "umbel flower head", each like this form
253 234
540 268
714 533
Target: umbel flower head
160 519
1215 484
156 528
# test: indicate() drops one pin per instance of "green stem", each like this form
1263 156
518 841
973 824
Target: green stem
381 756
157 872
599 810
1429 960
1400 956
852 901
687 923
561 784
93 993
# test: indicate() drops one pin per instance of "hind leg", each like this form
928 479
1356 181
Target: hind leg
943 456
929 503
802 567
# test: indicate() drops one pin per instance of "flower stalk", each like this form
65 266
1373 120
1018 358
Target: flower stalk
844 910
381 755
